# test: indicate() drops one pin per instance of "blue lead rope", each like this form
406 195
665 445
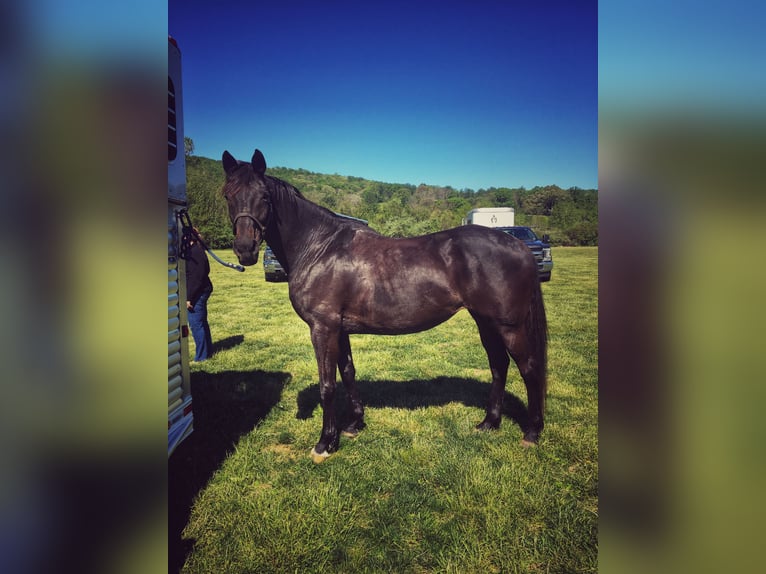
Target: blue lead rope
187 232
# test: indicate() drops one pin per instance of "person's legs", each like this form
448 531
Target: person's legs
208 336
200 329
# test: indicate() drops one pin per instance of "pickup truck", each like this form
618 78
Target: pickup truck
540 248
272 268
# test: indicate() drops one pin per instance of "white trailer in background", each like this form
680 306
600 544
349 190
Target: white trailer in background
491 217
180 416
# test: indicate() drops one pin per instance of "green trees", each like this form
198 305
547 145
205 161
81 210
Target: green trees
207 207
575 215
569 216
188 146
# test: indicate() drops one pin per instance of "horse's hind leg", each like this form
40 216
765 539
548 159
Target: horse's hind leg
534 380
498 364
348 376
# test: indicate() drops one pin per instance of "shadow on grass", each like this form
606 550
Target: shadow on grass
417 394
227 406
228 343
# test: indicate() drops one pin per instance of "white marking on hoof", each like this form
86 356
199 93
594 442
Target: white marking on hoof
349 434
527 443
318 457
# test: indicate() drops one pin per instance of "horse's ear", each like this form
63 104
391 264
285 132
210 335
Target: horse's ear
259 162
229 163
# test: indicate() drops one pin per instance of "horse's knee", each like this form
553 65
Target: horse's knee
348 373
326 392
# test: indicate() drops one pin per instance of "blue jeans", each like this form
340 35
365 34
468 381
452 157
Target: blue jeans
200 328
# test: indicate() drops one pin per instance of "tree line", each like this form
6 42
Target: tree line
568 216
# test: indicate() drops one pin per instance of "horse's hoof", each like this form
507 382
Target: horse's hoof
350 433
528 443
318 457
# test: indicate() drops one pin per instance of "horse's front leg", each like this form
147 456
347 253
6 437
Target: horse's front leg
355 421
325 343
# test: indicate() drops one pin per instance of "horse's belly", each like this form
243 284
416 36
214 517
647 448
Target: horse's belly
389 315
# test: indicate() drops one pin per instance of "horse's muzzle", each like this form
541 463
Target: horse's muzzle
247 251
248 259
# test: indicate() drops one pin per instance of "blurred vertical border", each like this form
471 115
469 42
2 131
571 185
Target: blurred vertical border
682 150
682 130
83 456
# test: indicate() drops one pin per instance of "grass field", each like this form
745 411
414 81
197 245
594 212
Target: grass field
419 490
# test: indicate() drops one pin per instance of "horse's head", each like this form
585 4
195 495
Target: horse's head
247 193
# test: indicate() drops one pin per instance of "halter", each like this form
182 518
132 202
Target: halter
261 226
241 214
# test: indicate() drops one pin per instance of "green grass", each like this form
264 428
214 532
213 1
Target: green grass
419 490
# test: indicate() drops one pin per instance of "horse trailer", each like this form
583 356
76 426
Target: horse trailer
491 217
180 415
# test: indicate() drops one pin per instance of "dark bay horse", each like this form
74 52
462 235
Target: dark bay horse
344 278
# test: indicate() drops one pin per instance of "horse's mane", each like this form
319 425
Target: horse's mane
285 192
281 186
281 192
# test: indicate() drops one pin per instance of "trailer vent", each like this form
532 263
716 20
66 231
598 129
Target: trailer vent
172 131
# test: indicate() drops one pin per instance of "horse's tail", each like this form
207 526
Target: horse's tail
537 331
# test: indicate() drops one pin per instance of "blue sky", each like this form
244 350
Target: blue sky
467 94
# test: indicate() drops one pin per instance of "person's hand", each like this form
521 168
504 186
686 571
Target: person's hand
189 306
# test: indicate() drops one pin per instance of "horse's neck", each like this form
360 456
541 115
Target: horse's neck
298 229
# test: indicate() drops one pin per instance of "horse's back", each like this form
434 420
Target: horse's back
470 258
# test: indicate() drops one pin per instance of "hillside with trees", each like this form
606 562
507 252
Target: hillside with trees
569 216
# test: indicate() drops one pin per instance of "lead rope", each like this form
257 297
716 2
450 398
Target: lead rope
187 233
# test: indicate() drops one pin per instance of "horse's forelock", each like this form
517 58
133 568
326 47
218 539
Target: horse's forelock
242 177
